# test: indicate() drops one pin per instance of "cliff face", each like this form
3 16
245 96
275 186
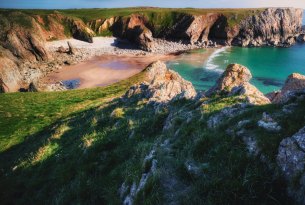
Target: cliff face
272 25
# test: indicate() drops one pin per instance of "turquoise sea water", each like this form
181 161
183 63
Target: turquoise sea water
269 66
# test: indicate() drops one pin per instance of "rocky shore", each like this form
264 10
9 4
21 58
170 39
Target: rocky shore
61 55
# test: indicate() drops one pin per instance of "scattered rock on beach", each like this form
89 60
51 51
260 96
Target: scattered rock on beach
71 48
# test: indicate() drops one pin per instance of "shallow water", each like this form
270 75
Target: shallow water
269 66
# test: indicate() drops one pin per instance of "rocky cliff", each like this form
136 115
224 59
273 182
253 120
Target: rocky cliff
276 26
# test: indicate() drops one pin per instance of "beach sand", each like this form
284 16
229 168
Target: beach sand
105 70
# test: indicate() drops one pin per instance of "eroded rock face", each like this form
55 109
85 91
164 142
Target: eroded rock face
200 27
136 31
291 159
20 40
301 38
10 78
165 85
275 25
293 82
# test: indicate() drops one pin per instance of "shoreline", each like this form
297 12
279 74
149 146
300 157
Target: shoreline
103 70
107 47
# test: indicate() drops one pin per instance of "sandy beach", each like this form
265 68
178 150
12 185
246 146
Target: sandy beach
109 59
104 70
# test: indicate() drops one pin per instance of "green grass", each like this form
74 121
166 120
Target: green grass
83 155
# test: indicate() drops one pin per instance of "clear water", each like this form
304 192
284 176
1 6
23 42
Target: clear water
269 66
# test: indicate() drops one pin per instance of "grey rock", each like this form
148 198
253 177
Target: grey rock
291 160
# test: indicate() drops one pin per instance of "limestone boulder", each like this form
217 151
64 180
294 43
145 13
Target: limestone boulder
235 75
165 85
71 48
291 160
37 86
10 77
293 82
145 38
254 96
235 81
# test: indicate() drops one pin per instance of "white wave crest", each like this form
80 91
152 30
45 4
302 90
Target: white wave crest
209 65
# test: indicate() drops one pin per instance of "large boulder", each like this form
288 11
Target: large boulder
235 81
291 160
10 77
234 75
293 82
145 39
163 85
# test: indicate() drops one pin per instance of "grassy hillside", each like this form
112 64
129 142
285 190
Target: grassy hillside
80 146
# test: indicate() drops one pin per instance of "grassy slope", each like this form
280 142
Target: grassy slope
82 157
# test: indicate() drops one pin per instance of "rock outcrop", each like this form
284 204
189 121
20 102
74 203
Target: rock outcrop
235 81
293 82
25 41
10 78
165 85
291 160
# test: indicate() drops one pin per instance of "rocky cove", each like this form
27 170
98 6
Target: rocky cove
23 46
152 138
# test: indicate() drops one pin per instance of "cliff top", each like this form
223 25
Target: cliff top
234 15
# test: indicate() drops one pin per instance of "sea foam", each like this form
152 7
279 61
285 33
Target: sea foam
209 64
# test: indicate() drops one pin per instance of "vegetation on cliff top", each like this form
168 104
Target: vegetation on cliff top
159 16
79 147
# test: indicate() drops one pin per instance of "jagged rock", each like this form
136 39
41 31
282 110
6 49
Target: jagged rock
252 145
24 42
165 85
254 95
290 41
268 123
292 96
234 75
289 108
227 112
293 82
145 39
168 122
10 77
242 123
71 48
235 81
285 22
39 86
134 189
301 38
291 159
